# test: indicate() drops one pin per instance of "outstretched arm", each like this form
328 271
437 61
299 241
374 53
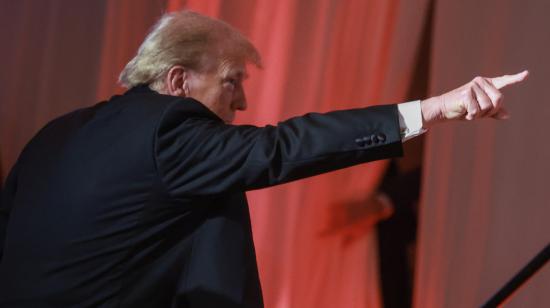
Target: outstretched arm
201 156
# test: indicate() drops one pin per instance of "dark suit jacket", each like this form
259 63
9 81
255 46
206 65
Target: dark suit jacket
139 201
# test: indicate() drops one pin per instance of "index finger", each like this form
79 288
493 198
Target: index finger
506 80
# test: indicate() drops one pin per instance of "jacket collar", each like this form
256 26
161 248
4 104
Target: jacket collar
140 88
192 103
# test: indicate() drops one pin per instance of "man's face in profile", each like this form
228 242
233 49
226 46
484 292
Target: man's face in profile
222 93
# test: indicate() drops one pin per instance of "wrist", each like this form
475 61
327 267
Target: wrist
431 112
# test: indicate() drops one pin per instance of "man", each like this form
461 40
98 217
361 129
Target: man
139 201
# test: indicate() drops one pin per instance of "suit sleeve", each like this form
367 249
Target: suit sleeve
7 195
203 156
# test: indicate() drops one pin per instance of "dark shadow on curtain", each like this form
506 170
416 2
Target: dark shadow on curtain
397 235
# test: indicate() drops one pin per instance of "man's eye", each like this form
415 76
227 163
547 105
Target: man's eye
232 81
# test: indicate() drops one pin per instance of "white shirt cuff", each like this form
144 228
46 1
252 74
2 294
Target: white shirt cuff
410 120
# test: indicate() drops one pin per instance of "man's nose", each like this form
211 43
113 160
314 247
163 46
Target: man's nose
240 102
242 105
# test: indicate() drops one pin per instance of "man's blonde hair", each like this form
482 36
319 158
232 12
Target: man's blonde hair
188 39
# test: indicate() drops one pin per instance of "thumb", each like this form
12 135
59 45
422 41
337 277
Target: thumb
502 114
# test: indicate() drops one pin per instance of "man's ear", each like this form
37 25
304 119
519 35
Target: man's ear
176 83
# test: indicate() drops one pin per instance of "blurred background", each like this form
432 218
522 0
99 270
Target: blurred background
445 226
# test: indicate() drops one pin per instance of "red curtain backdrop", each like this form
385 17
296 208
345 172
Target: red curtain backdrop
486 200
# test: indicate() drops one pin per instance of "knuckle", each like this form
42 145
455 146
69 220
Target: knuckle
486 107
478 79
497 98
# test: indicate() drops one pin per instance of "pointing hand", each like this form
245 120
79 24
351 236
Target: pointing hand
479 98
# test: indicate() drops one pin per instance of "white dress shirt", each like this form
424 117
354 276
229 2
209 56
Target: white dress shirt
410 120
